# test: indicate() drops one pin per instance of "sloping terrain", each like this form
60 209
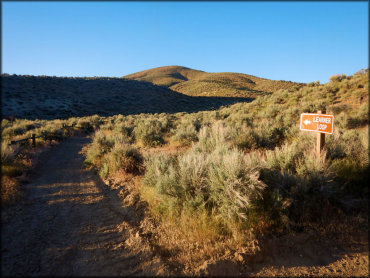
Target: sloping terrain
166 76
199 83
47 97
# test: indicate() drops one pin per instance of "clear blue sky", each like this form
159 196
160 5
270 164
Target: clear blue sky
297 41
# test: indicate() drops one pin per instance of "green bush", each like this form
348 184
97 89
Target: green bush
209 138
100 145
149 133
223 181
126 131
85 124
233 184
124 157
185 133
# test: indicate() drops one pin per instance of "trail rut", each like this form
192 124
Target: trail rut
70 224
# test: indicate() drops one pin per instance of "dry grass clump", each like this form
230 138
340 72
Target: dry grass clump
149 132
122 157
111 153
186 132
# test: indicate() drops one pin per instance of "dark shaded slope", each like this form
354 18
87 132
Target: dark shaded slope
62 97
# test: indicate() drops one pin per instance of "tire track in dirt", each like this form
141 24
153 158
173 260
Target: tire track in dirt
71 224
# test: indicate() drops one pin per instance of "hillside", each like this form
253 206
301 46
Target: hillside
199 83
46 97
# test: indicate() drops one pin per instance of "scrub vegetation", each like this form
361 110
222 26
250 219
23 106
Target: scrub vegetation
246 170
225 177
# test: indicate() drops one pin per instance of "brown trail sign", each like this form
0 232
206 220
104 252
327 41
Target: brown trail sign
321 123
317 122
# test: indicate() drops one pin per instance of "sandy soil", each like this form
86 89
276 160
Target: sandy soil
70 224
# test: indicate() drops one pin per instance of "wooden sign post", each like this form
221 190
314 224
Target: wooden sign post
319 122
33 139
320 141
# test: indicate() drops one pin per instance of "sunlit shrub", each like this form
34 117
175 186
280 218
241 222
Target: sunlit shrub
124 157
149 133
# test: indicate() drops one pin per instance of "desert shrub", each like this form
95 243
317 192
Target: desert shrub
85 124
209 138
185 133
314 189
222 181
348 151
234 184
284 158
299 186
279 183
8 152
360 118
337 77
149 133
19 127
246 140
100 145
125 130
166 122
104 171
341 121
353 175
268 135
243 137
72 121
335 145
123 157
156 166
95 121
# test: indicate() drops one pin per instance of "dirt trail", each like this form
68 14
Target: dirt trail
70 224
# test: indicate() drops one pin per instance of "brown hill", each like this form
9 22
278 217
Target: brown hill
199 83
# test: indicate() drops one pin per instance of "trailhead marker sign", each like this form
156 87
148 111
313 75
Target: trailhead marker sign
318 122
